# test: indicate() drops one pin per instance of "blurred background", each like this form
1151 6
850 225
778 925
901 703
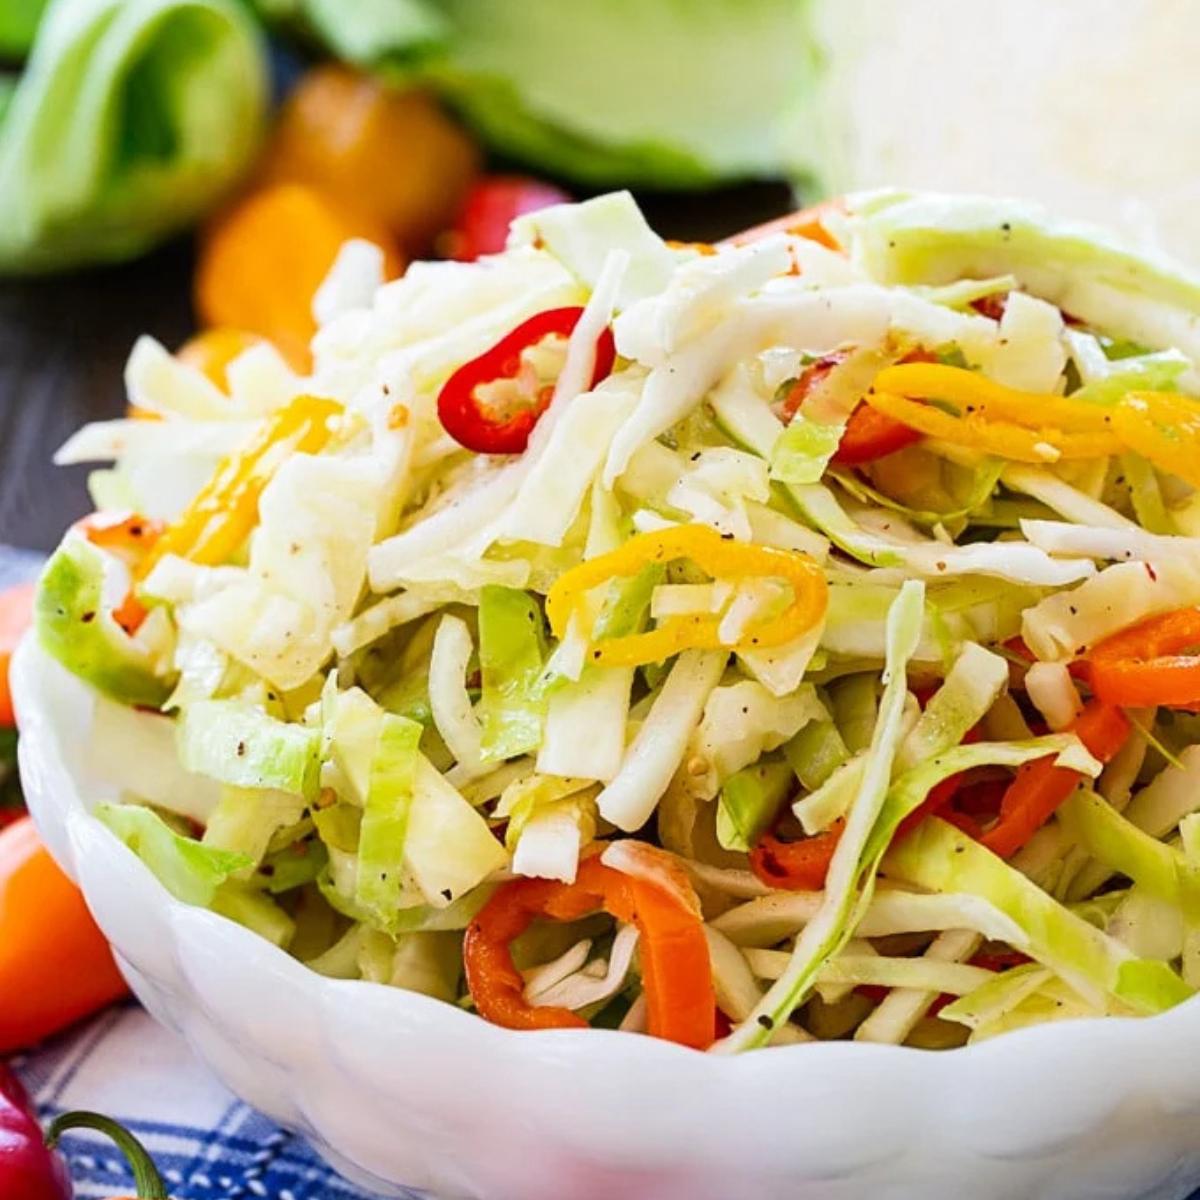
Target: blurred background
168 166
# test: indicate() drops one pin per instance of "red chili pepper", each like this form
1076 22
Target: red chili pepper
31 1169
471 422
677 974
871 434
28 1169
492 204
802 865
1078 669
1039 787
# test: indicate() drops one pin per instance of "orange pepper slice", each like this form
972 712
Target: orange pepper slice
1039 787
712 553
55 964
1144 665
680 1000
223 512
807 223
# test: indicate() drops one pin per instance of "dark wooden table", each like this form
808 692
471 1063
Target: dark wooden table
64 341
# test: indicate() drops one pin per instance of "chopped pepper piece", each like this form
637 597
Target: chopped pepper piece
868 435
223 512
1164 428
1039 787
712 553
1142 666
674 951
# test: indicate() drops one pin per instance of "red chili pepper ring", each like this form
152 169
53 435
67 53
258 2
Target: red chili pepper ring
472 423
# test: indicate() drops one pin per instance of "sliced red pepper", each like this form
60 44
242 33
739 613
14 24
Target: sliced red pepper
471 422
869 433
1039 787
799 866
802 865
991 306
1143 666
680 1000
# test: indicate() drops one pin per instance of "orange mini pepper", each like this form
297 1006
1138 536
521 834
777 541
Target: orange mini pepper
55 965
262 261
390 154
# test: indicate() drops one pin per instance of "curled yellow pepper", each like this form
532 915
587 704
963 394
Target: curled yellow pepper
976 395
1002 438
720 558
223 512
1163 427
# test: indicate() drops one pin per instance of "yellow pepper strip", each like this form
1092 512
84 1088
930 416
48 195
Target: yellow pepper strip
976 395
712 553
223 512
1163 427
1001 438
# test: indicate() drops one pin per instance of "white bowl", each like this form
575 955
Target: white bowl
399 1090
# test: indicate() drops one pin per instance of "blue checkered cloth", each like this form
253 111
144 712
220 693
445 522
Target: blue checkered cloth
207 1144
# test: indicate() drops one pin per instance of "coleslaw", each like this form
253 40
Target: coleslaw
748 644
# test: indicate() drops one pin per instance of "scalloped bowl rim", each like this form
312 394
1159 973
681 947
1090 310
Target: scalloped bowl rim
1110 1064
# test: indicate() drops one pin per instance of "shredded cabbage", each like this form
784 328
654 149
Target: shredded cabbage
354 724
